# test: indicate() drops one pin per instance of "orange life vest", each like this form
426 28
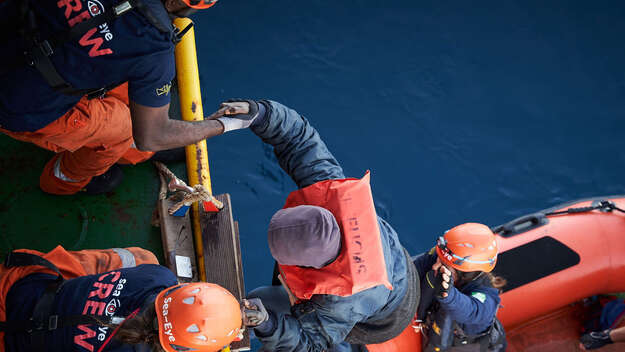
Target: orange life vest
71 265
360 265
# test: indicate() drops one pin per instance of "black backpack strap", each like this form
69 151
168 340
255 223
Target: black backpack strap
38 55
20 259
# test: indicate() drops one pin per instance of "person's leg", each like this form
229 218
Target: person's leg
91 149
90 138
618 334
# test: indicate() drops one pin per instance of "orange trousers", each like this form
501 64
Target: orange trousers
89 138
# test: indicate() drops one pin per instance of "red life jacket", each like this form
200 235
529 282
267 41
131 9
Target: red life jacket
360 264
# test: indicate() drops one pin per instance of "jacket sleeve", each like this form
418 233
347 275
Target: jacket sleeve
313 326
424 261
475 311
297 145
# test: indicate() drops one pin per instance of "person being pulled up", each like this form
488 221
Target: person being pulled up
460 296
90 81
347 280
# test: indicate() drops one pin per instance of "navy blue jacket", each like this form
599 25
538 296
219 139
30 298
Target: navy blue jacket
473 306
133 288
128 49
304 156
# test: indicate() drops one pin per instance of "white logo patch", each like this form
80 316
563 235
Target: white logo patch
479 296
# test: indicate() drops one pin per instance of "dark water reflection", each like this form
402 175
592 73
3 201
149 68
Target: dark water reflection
462 111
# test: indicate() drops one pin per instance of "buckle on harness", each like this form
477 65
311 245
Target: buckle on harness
53 322
46 48
97 93
121 8
40 49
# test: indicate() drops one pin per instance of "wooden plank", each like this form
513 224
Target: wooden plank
177 237
222 255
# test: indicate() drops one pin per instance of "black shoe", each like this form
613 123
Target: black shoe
596 339
170 155
106 182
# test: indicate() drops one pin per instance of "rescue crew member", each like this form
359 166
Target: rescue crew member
610 327
345 273
93 301
60 58
460 296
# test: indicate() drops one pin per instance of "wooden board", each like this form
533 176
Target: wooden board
222 255
177 237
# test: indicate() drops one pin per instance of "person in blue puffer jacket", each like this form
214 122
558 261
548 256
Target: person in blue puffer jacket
334 297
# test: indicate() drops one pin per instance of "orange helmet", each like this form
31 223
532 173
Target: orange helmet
468 247
197 317
200 4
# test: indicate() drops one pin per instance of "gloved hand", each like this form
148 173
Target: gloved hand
442 281
595 339
254 312
236 114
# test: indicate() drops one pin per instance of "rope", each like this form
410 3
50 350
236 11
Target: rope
199 193
165 171
604 204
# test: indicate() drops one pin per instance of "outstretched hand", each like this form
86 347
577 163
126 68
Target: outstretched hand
236 114
253 312
230 108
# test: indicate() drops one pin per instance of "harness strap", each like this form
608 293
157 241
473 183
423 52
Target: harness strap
38 56
42 319
19 259
38 51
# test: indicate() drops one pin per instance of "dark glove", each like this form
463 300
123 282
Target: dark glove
442 276
254 312
238 121
596 339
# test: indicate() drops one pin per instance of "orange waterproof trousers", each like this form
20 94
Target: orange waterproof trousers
72 264
89 138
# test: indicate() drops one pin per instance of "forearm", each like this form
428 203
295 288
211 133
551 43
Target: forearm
618 334
176 133
297 145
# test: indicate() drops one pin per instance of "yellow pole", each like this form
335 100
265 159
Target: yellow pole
191 109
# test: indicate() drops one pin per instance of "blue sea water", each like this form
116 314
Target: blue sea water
462 110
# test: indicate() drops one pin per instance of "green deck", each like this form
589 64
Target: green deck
32 219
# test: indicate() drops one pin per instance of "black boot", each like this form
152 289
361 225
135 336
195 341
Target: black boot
106 182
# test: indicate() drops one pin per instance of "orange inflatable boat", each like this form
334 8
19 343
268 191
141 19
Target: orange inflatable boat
553 260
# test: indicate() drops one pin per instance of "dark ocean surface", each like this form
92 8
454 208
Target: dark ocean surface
463 111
